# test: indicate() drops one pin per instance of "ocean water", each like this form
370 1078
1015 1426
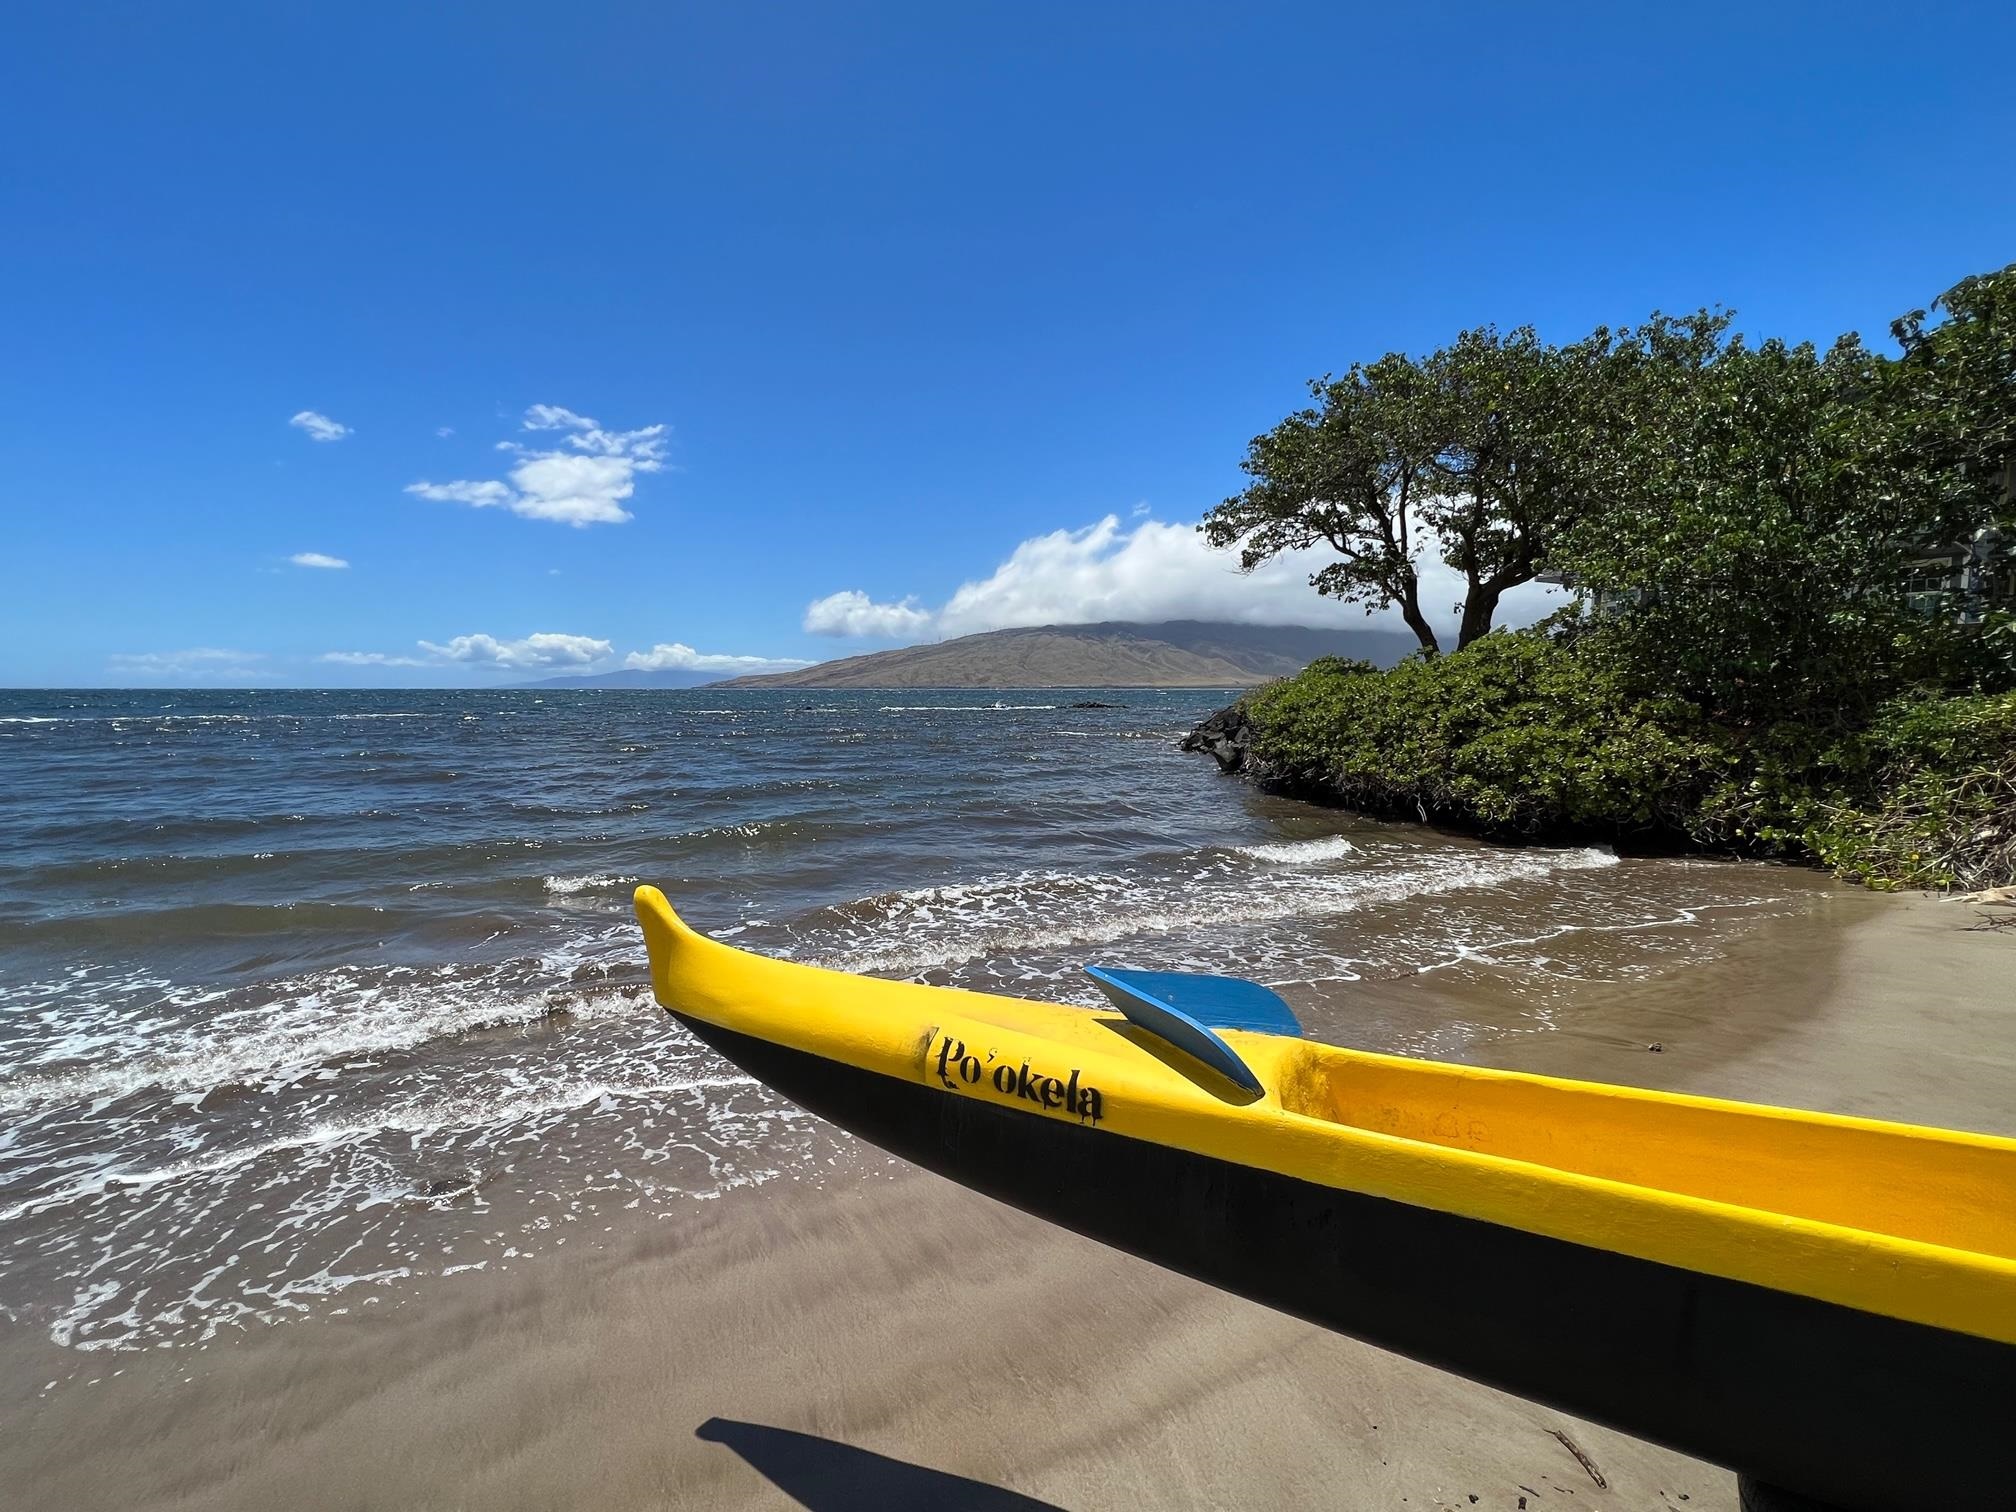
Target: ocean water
309 998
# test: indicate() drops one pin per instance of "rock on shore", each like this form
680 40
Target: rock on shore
1226 736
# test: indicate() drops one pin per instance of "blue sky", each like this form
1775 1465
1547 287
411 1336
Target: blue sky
957 312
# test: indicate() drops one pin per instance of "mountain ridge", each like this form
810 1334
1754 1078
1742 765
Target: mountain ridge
1111 654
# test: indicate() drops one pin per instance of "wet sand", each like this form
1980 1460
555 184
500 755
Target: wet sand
897 1341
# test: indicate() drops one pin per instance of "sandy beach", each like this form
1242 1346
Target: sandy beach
897 1341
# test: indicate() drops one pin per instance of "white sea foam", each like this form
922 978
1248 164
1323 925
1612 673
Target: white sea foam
1300 852
350 1168
179 1251
102 1051
567 887
920 929
443 1114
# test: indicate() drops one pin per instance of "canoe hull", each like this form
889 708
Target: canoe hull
1790 1390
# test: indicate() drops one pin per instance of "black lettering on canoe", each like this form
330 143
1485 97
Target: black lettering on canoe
956 1065
951 1050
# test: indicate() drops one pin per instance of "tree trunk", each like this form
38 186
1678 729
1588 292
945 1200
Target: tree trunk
1480 604
1410 611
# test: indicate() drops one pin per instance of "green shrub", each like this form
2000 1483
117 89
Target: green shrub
1537 735
1519 735
1935 805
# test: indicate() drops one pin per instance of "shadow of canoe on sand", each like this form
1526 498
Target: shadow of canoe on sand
826 1476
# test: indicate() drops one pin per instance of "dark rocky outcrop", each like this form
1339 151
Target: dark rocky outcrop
1227 737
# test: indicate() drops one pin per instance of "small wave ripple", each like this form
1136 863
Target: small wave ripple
1040 912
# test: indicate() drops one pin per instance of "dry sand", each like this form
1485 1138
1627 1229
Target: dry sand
899 1342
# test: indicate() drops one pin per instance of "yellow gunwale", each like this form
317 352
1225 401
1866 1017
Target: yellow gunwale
1949 1192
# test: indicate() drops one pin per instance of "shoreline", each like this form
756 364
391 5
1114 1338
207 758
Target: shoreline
860 1342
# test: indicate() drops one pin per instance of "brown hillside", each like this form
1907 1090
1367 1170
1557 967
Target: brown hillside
1180 654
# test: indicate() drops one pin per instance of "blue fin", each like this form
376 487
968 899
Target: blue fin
1181 1007
1222 1002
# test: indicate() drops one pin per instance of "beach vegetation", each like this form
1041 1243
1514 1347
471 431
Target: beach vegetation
1520 736
1795 625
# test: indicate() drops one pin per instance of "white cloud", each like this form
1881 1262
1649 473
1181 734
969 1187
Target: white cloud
1151 571
1146 572
569 490
555 417
201 662
585 486
317 559
444 431
481 495
370 659
674 656
319 427
852 612
550 651
534 652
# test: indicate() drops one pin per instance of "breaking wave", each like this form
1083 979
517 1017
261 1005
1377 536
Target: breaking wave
916 929
1300 852
567 887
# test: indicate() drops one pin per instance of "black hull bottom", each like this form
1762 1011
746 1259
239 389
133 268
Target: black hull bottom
1847 1407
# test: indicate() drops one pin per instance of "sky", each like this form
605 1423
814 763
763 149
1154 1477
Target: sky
384 344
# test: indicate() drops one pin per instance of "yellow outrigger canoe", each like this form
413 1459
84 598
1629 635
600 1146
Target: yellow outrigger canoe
1825 1304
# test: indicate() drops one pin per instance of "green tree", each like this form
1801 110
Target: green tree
1763 542
1953 405
1777 504
1354 473
1480 455
1525 447
1954 399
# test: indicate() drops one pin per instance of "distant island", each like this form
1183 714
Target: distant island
1117 654
1175 654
